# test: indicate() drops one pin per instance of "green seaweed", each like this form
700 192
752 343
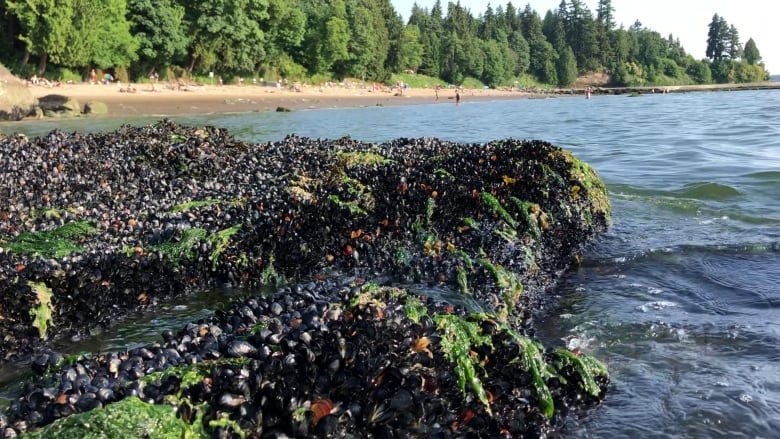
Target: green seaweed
403 258
471 223
585 367
183 207
129 417
441 172
180 246
269 275
42 314
495 206
352 159
429 205
370 294
224 421
220 241
458 337
511 287
525 211
352 206
414 309
192 374
55 243
463 282
531 360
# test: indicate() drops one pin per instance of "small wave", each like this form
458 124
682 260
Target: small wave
708 191
656 305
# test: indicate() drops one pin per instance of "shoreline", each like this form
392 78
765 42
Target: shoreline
166 100
210 99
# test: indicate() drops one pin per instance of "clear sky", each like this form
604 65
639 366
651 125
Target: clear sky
687 20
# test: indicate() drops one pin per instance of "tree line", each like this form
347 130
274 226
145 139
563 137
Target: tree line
365 39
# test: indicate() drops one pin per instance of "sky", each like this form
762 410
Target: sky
687 20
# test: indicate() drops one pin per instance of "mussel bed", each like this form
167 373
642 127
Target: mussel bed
96 225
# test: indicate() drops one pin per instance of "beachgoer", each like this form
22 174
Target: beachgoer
219 80
457 98
92 76
153 79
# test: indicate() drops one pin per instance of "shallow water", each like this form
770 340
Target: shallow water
681 297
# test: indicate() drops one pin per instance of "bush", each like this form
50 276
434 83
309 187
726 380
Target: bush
63 74
120 74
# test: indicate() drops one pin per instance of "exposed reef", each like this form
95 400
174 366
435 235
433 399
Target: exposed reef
95 225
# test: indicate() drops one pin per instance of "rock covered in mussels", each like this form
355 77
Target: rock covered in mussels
94 225
325 359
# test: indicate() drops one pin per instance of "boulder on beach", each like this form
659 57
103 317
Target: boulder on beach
55 105
95 108
16 101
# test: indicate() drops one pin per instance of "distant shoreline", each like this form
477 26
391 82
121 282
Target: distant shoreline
211 99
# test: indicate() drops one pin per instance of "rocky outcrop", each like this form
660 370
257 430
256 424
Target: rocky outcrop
55 105
16 101
95 225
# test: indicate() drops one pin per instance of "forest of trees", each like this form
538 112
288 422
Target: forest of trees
313 40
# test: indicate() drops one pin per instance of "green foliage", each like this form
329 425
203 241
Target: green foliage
410 55
227 33
417 80
751 54
473 83
700 72
316 40
458 337
567 68
159 28
129 417
42 313
55 243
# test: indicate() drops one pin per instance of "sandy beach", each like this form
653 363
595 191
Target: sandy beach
167 100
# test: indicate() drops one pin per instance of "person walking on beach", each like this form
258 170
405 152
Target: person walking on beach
436 91
92 76
457 98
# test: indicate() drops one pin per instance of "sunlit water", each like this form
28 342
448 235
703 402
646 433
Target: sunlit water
681 297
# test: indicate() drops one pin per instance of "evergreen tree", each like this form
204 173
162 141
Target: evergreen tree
717 38
410 49
734 47
605 14
751 54
567 68
542 54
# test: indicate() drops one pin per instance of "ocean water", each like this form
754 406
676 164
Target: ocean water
681 298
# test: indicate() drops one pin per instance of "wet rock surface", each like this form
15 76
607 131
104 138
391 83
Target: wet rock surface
95 225
16 101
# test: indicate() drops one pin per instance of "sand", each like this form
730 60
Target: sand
167 100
